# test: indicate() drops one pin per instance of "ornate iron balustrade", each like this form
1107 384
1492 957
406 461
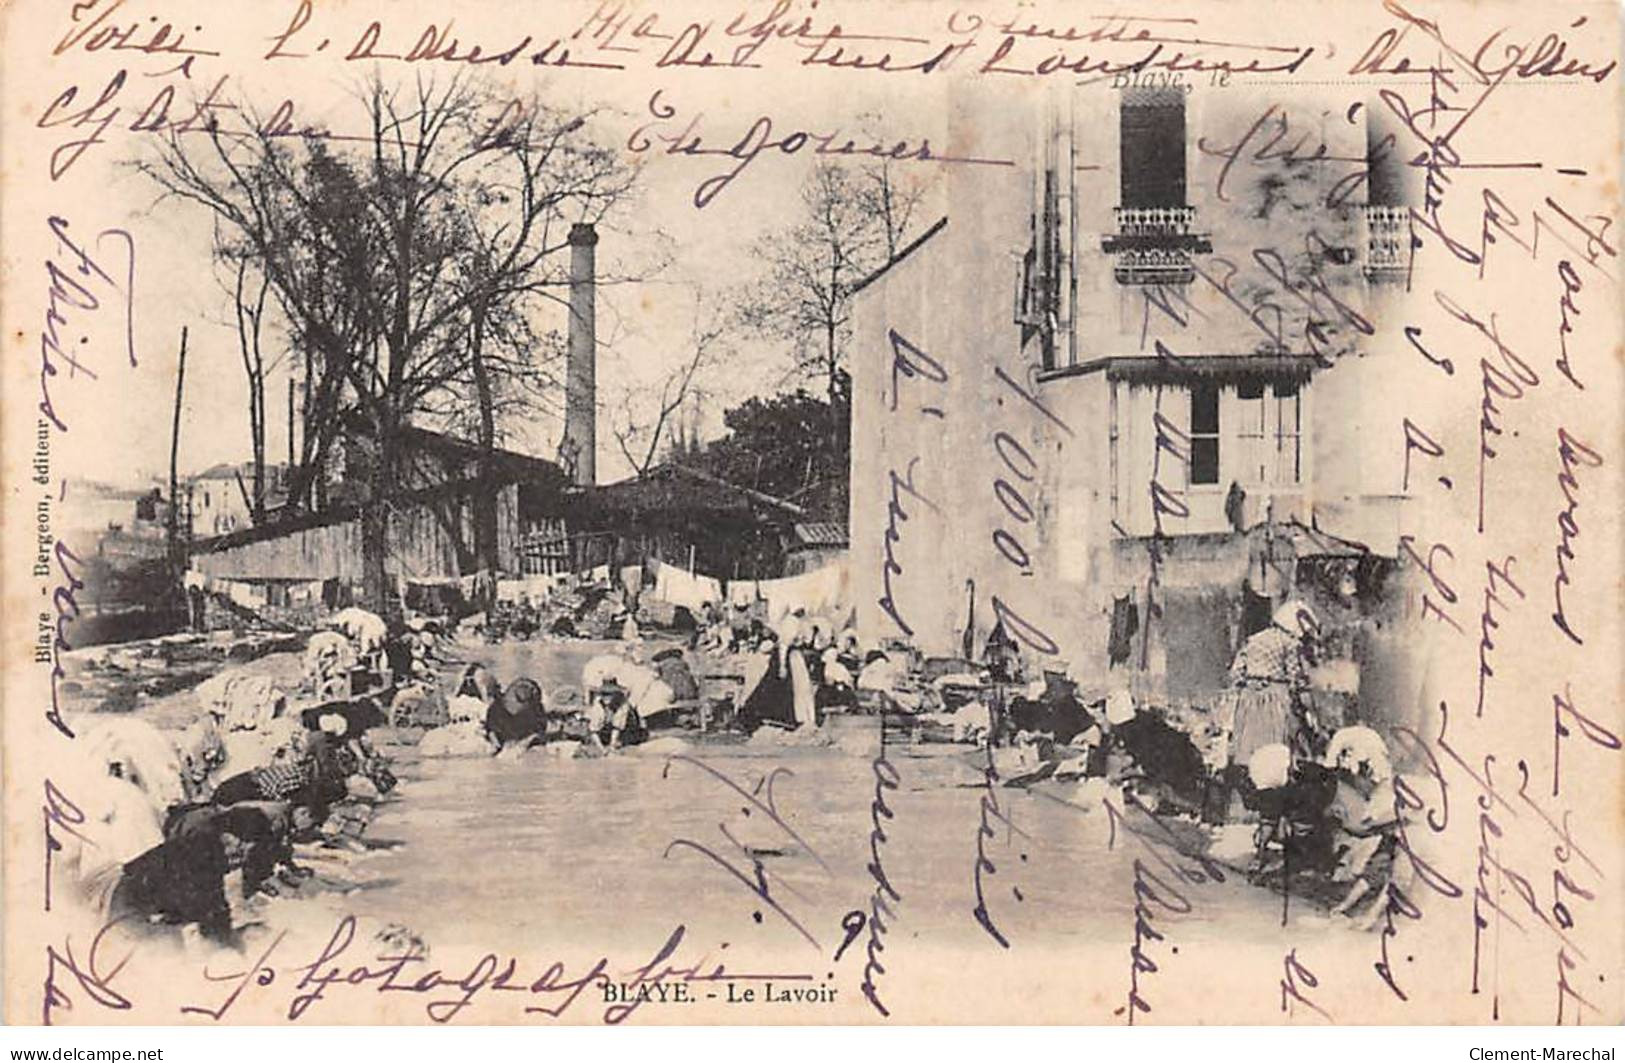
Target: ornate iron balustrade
1154 221
1154 245
1388 242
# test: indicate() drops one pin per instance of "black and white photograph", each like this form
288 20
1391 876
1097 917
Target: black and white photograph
812 513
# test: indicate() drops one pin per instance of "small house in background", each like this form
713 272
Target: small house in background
218 505
685 517
221 496
812 545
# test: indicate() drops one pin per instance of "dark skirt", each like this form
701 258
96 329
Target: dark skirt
772 701
633 733
509 728
238 788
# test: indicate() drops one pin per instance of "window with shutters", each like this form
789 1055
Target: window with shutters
1204 463
1252 433
1151 148
1155 226
1269 433
1288 434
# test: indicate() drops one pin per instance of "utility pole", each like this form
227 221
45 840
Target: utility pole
174 456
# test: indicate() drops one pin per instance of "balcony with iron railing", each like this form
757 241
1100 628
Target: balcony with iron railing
1153 245
1154 221
1388 243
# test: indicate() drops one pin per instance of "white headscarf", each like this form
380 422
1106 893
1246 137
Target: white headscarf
1356 747
1295 617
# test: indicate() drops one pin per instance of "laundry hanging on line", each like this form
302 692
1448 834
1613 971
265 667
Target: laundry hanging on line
680 587
825 591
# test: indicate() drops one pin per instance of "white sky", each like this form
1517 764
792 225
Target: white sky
643 327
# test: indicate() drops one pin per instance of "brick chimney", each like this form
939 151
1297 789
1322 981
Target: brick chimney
578 450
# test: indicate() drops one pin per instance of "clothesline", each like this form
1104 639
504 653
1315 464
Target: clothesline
825 590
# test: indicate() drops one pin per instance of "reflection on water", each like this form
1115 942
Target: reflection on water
544 849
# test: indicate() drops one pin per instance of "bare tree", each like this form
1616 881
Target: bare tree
647 417
892 198
854 221
250 319
509 369
387 258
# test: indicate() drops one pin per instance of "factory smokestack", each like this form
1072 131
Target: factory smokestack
578 450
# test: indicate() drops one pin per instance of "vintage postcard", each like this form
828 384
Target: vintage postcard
812 512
